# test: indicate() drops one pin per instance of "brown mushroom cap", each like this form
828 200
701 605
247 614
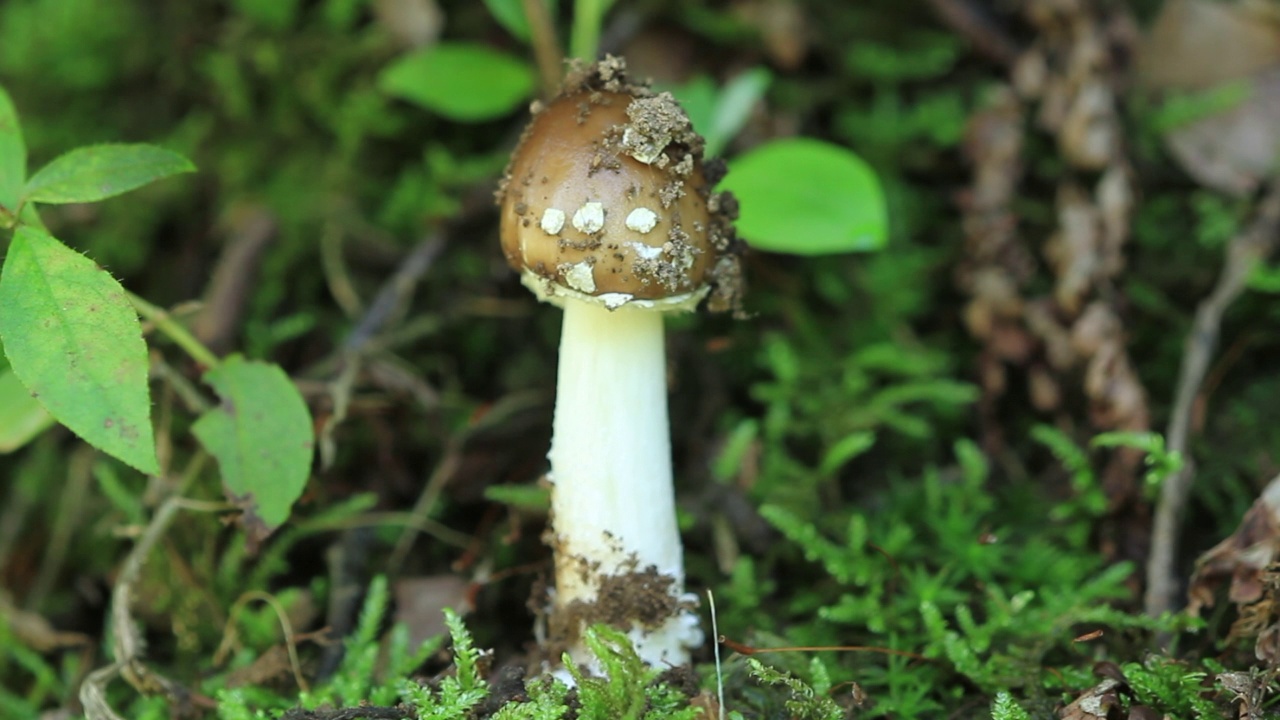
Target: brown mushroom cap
606 197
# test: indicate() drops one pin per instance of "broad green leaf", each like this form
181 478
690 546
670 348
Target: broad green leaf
807 197
462 81
74 341
13 154
97 172
261 435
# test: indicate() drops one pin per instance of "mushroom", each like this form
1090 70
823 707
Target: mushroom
607 212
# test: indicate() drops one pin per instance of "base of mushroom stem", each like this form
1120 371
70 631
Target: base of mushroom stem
665 644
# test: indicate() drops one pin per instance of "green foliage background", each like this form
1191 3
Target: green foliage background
829 495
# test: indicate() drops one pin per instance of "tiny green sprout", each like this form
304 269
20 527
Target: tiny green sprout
1160 462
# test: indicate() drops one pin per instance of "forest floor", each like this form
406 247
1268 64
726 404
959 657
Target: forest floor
1022 459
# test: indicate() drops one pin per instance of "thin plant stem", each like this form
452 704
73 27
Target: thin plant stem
748 650
341 288
186 391
175 331
126 639
546 46
588 17
1243 253
230 633
715 647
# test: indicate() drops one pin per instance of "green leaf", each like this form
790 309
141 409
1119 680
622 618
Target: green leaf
807 197
844 450
736 101
97 172
529 498
719 114
463 81
74 341
510 14
261 435
13 154
21 416
1264 278
698 98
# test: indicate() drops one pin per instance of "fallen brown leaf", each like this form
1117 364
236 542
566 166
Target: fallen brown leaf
1096 703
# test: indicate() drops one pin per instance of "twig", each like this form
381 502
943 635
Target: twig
444 470
973 22
395 293
341 288
443 533
390 300
447 468
34 631
190 395
347 562
1243 253
126 640
228 292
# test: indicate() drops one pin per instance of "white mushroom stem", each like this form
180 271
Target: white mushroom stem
613 504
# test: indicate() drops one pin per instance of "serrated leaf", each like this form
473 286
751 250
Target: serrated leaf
462 81
807 197
13 154
261 435
21 416
97 172
74 341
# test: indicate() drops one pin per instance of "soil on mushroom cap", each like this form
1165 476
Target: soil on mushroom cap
638 128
